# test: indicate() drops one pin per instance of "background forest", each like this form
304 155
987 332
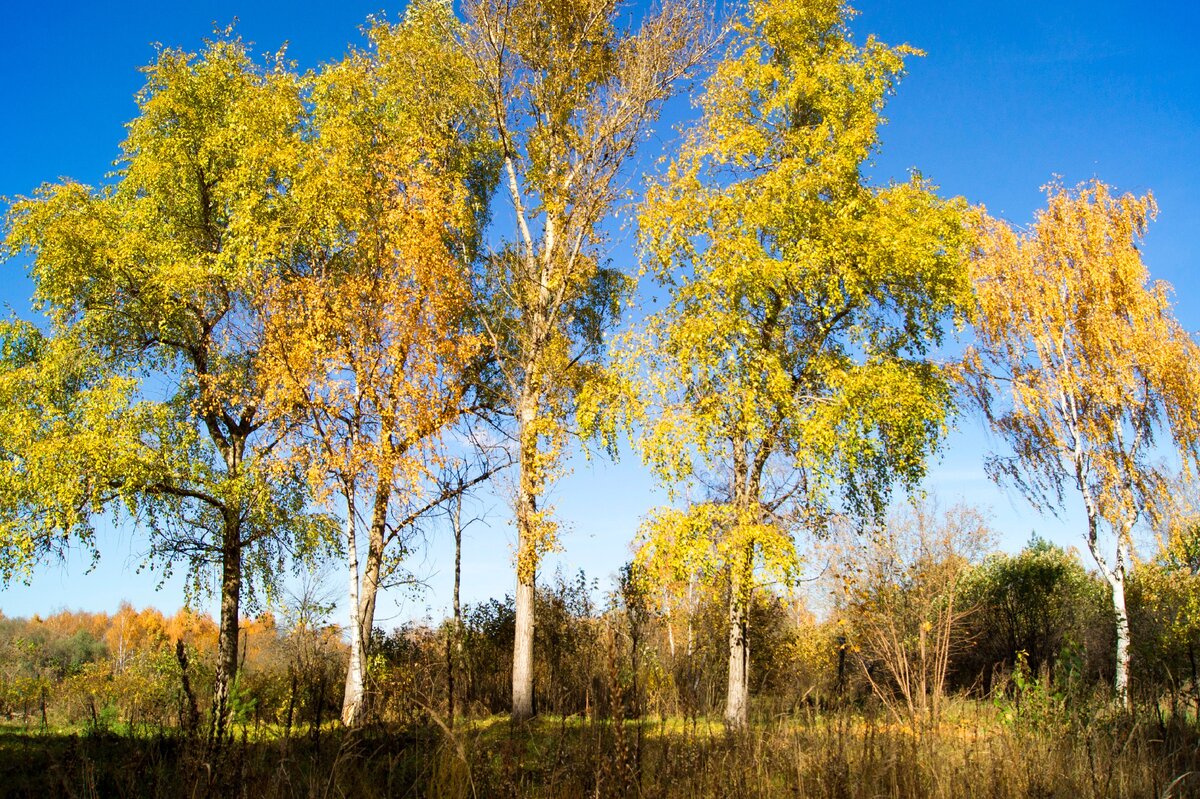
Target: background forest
312 314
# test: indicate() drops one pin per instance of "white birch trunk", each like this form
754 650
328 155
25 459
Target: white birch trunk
352 701
522 670
1121 679
522 686
737 697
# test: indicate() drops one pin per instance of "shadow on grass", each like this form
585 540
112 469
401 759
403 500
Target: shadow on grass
106 764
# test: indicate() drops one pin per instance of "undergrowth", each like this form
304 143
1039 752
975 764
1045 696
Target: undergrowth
976 750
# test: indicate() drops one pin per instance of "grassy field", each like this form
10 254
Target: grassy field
977 750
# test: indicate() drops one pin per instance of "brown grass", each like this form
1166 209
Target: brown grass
975 751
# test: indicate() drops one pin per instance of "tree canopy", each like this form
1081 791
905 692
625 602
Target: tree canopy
1083 371
788 375
154 280
372 353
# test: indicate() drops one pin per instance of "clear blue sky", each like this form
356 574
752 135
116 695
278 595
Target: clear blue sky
1009 95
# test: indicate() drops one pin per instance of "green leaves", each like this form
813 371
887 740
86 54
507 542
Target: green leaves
788 376
147 391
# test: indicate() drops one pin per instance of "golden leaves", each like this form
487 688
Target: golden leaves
368 341
802 300
676 547
1094 366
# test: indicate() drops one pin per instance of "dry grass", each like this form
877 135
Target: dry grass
977 750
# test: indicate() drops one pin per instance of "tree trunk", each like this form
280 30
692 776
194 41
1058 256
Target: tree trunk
454 642
1116 579
528 526
522 685
352 698
291 710
227 636
691 629
670 627
737 697
1115 575
1195 680
363 612
189 712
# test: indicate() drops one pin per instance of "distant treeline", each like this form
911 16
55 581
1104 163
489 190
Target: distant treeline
1038 618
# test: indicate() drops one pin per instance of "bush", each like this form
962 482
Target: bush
1040 604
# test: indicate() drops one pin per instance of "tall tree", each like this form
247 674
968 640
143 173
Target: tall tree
570 91
371 355
1082 369
788 376
155 278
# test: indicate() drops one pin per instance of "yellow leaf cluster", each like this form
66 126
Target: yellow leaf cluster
789 370
1080 363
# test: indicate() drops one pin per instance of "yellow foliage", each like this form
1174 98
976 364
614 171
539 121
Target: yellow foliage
1080 364
788 376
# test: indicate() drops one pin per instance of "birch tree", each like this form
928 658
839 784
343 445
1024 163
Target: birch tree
61 413
571 91
1081 368
154 278
788 376
371 355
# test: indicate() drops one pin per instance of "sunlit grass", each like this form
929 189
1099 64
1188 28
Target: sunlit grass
976 749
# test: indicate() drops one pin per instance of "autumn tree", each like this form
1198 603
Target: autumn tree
1081 368
571 89
62 414
371 355
788 376
149 286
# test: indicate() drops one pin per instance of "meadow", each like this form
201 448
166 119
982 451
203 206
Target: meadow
977 750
